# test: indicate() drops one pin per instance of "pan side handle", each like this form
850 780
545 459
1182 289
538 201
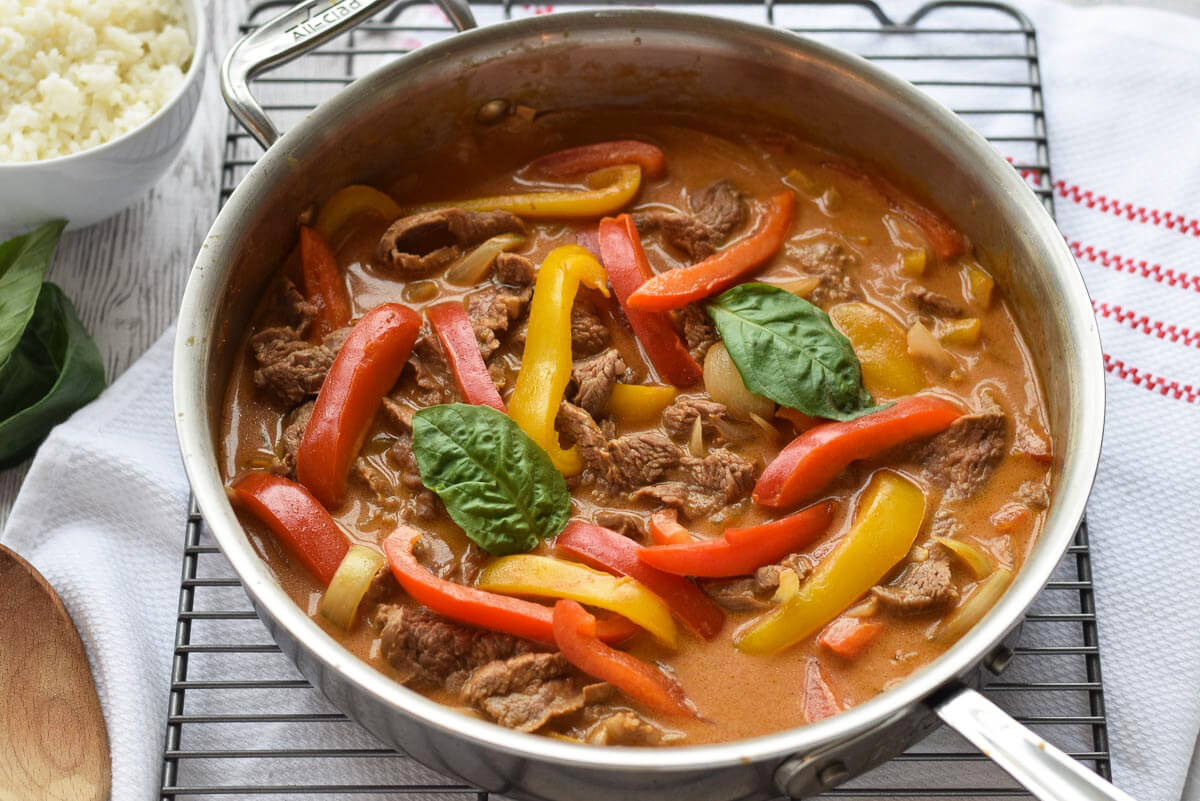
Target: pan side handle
290 35
1046 772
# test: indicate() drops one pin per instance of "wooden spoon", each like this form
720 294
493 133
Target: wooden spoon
53 744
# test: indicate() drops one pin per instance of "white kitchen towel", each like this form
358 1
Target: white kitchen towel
101 512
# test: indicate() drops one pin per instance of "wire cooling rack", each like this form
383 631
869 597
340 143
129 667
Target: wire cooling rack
243 723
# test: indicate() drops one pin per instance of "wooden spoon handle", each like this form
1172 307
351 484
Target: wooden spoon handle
53 744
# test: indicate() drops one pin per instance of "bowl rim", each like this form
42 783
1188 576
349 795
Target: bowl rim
1074 480
199 14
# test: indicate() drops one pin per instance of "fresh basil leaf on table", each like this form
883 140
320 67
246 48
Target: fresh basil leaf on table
496 482
23 262
49 367
788 350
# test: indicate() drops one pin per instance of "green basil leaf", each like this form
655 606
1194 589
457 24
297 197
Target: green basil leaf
54 332
787 349
498 484
23 262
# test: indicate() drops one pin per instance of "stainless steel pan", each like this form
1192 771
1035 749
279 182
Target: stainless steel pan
639 58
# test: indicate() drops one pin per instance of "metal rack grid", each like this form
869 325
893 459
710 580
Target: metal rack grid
242 722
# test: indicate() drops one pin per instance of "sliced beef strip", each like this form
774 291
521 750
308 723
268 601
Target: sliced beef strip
401 414
1033 494
514 269
582 429
705 485
831 262
378 481
429 649
962 457
289 441
524 692
629 461
594 379
752 593
425 505
589 333
722 471
922 587
290 368
715 213
680 417
492 311
929 302
628 524
625 727
699 333
641 458
433 239
435 383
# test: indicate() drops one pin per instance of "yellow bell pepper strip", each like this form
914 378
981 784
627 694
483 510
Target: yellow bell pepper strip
881 345
349 201
546 365
889 517
639 403
545 577
610 190
350 583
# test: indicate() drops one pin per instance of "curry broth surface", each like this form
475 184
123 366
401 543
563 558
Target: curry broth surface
739 695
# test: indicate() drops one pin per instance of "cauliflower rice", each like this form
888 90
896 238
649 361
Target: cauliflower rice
77 73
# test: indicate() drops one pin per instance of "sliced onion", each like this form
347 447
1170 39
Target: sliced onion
865 608
903 233
968 613
979 562
350 583
724 384
696 442
768 429
923 345
471 267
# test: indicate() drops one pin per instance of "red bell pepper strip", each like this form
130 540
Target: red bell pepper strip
809 462
665 528
589 158
628 269
454 331
848 636
367 366
324 286
742 550
799 420
819 700
296 518
605 549
947 243
575 636
487 610
677 288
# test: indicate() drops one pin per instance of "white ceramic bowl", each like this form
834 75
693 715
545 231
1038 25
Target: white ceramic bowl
89 186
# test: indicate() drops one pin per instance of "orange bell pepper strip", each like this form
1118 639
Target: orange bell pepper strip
605 549
809 462
476 607
324 286
453 328
848 636
819 702
366 367
742 550
296 518
575 635
628 269
677 288
589 158
665 528
947 243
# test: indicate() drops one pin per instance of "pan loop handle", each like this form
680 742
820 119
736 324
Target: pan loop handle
1046 772
292 34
